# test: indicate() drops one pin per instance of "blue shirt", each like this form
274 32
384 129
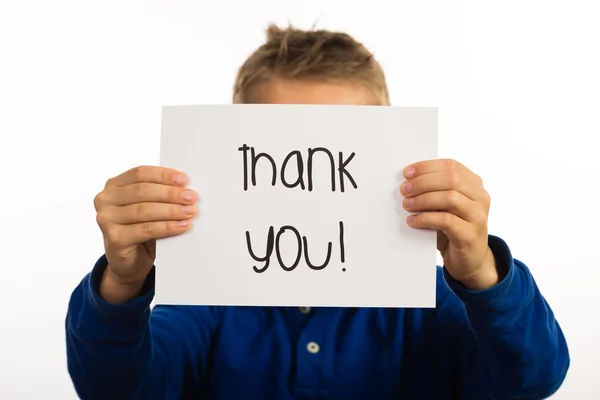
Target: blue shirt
499 343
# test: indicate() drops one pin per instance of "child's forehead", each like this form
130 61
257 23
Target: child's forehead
283 91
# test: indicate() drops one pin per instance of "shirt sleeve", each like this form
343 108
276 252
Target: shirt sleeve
500 343
130 352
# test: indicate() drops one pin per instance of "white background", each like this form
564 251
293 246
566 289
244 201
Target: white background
82 85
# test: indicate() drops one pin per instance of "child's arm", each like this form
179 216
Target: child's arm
125 352
499 343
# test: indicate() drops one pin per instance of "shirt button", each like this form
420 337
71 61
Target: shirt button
312 347
304 310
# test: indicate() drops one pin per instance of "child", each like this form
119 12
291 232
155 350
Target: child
491 336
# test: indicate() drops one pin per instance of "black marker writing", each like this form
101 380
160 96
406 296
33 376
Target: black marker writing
343 171
311 152
307 260
301 244
342 247
300 164
267 258
254 160
250 168
244 150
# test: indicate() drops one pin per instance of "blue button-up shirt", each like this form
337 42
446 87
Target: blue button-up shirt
499 343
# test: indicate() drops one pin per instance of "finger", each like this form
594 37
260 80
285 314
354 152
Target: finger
149 212
451 225
149 192
451 201
431 166
441 181
150 174
127 235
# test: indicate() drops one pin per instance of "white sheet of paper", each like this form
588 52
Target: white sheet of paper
386 263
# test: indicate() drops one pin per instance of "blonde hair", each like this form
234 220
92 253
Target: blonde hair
311 55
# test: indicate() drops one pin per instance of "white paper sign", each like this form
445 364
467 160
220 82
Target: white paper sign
299 206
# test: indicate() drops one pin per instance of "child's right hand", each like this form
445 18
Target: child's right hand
134 209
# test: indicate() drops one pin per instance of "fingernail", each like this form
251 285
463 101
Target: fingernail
411 218
188 195
405 188
184 224
179 179
188 209
409 202
409 172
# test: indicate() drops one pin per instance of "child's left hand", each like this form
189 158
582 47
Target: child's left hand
451 199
